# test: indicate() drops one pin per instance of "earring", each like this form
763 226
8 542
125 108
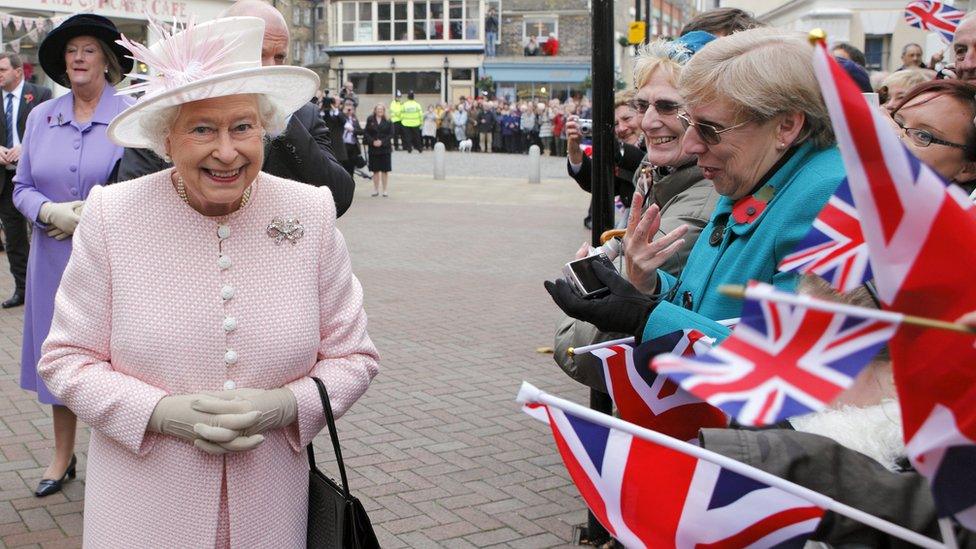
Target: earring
167 159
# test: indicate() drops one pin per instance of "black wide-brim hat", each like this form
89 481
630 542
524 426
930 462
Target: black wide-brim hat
51 52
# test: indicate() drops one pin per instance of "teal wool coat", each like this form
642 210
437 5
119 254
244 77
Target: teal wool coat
744 241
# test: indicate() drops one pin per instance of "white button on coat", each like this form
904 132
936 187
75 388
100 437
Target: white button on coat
223 231
230 357
229 385
223 262
227 292
230 323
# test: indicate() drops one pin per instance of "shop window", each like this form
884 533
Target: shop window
461 74
539 27
419 82
372 83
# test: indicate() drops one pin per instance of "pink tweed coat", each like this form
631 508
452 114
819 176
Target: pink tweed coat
158 299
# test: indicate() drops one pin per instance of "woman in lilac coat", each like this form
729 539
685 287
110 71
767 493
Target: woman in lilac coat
65 154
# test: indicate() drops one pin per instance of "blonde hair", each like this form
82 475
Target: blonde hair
667 55
623 98
763 72
908 78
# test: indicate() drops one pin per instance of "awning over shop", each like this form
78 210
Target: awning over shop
529 71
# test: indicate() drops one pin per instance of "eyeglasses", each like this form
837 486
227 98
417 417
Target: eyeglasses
662 106
924 138
707 132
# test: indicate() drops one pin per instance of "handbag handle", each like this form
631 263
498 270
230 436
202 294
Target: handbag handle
333 434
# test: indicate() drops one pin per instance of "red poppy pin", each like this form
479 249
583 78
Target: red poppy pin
29 97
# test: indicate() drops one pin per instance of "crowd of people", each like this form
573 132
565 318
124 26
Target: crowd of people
726 158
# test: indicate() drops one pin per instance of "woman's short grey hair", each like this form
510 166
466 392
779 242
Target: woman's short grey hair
158 124
763 73
668 55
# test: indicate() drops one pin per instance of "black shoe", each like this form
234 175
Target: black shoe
15 300
588 224
364 174
47 486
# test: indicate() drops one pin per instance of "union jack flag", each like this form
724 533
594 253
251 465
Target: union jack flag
780 361
919 233
647 495
934 16
652 401
834 248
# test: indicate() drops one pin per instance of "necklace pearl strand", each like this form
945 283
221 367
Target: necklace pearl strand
181 191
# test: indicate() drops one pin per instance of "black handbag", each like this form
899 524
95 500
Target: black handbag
335 517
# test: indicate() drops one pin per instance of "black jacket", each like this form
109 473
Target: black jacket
336 124
38 95
303 152
382 131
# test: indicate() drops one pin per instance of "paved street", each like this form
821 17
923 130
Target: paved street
439 451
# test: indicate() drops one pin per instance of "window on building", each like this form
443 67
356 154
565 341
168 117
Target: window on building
372 83
307 16
461 74
296 16
389 20
495 5
297 54
392 19
320 13
428 19
419 82
876 51
463 21
539 27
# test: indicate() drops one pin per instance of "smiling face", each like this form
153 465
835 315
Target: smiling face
217 147
663 134
737 163
626 124
938 115
84 60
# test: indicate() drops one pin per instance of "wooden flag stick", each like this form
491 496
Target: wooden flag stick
573 351
742 292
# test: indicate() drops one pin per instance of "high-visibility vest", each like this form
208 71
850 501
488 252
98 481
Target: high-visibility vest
412 115
396 107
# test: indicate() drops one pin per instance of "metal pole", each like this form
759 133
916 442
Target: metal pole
649 9
601 74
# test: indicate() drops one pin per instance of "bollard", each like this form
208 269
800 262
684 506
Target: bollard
535 165
439 160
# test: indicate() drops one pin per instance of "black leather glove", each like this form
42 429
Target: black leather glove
624 310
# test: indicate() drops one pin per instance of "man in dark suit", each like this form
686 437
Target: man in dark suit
18 99
303 152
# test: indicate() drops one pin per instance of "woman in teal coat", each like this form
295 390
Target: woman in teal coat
756 121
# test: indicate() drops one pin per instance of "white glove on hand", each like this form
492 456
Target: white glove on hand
278 407
60 214
215 433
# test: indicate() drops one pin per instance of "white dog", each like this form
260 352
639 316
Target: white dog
465 146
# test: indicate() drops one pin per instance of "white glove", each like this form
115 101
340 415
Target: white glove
215 433
60 214
278 407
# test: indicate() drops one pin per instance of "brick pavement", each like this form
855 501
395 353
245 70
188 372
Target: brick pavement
439 452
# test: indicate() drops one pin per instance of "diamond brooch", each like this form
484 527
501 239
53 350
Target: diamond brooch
285 229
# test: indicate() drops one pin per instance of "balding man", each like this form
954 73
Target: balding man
303 152
964 49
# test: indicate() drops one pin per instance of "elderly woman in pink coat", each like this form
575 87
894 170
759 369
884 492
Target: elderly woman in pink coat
198 304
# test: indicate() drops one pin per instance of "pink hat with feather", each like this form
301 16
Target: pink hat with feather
194 62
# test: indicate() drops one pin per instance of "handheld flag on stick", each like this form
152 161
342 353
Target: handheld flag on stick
652 401
651 490
934 16
920 234
781 360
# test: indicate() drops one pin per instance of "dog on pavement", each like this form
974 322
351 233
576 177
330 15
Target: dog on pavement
465 146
